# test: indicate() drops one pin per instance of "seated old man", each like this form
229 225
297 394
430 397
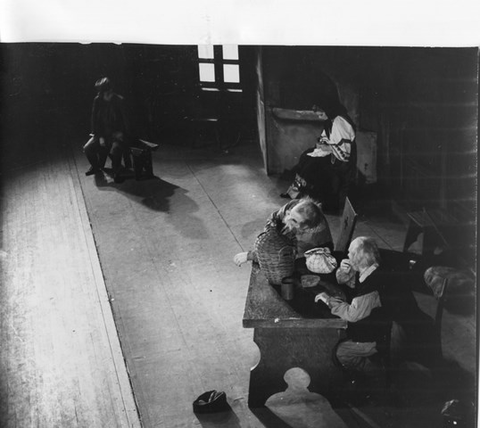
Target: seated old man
363 308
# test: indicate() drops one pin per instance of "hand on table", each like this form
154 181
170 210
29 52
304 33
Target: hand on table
240 258
323 297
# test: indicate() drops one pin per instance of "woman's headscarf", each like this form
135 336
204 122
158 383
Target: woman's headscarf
333 108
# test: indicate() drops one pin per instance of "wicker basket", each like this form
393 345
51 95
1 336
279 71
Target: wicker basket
275 254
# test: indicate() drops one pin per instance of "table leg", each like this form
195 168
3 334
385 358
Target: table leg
283 348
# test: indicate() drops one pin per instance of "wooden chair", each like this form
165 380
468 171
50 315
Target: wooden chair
347 225
453 289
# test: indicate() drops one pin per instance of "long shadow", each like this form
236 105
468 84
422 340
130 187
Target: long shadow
268 418
153 193
417 394
161 196
229 419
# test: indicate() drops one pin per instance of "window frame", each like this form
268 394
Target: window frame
218 62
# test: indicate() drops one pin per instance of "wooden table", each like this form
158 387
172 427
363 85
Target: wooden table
297 333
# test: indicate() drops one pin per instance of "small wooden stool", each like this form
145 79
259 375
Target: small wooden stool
142 159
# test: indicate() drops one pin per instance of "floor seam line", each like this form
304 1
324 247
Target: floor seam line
215 205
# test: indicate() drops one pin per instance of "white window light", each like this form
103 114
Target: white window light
231 73
205 51
207 72
230 52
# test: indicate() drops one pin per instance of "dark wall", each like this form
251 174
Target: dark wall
421 102
424 102
48 89
50 86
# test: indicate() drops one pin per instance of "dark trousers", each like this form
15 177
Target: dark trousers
97 154
326 181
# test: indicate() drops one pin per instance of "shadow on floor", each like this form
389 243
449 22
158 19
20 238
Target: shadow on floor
153 193
160 196
268 418
300 407
414 399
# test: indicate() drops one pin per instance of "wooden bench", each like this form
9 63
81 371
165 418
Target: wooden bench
141 154
298 333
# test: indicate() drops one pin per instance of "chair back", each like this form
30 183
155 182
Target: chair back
347 225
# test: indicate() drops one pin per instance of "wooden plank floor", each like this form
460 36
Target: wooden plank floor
60 360
177 296
166 247
165 251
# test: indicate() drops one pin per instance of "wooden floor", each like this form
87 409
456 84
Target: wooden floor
156 257
61 361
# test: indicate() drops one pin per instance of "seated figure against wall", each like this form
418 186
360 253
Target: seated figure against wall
109 129
326 171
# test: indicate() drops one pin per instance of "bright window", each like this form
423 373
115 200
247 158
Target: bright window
231 73
230 52
207 72
219 67
205 51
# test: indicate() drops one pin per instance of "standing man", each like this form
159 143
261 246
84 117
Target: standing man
109 128
362 310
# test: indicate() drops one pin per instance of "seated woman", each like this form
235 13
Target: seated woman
302 222
326 171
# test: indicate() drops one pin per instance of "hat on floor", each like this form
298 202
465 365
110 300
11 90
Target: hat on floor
210 402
